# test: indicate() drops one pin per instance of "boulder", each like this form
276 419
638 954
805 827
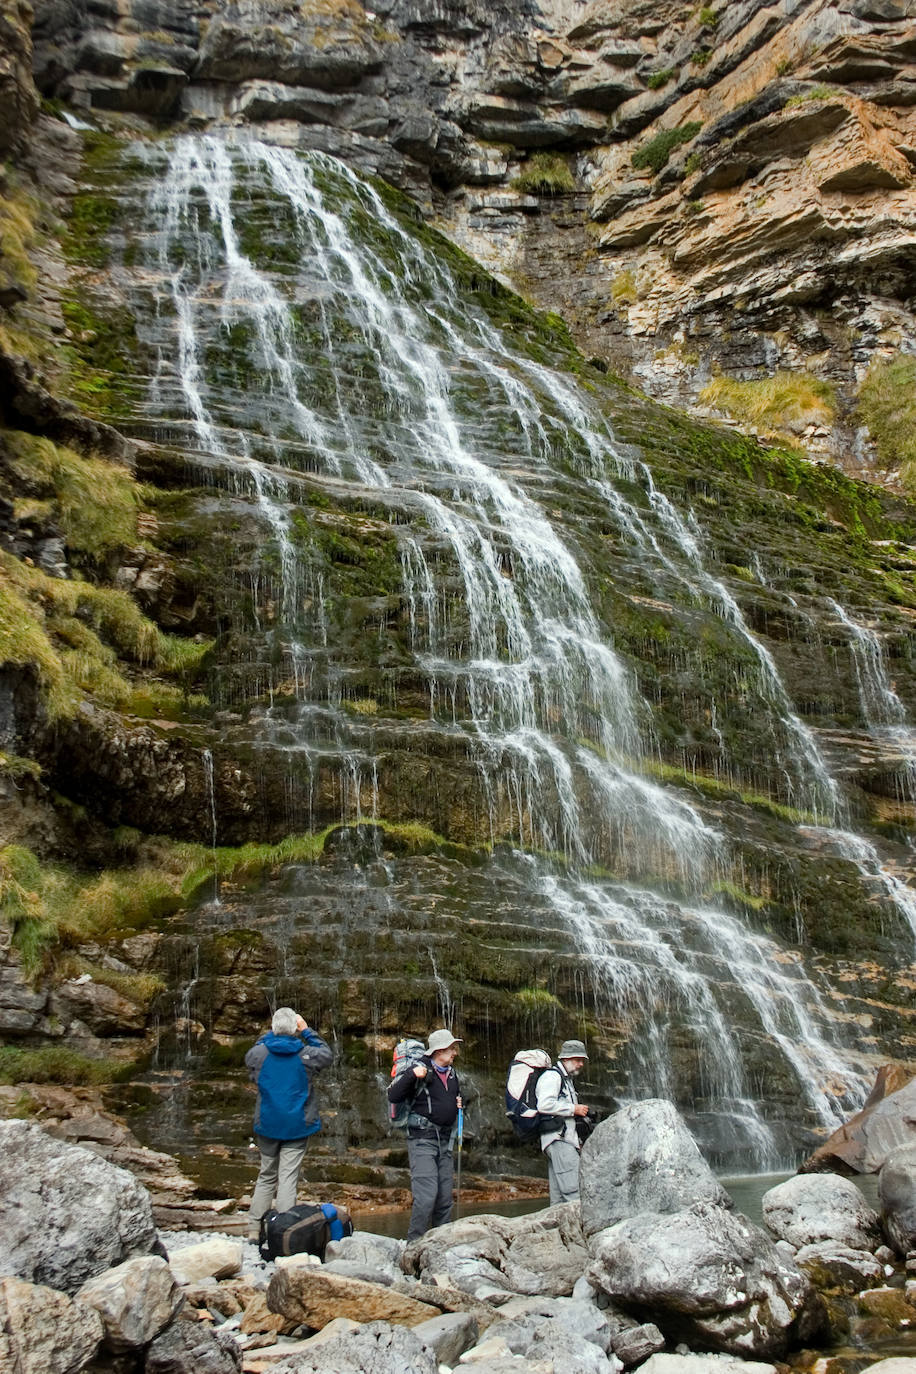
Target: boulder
885 1123
365 1248
705 1364
44 1332
570 1352
811 1208
897 1195
707 1276
449 1335
520 1319
65 1214
829 1265
642 1159
544 1253
186 1346
376 1348
307 1294
217 1259
135 1301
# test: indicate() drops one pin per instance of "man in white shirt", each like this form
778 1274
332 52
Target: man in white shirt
556 1097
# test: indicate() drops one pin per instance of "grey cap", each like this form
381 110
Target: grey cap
572 1049
441 1040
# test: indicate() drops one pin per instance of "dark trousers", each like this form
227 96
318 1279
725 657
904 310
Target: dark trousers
431 1176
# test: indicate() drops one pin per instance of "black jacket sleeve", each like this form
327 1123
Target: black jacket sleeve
405 1085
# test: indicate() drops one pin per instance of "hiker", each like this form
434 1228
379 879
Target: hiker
281 1063
556 1097
432 1088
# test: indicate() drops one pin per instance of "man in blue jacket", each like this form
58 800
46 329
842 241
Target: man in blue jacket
281 1064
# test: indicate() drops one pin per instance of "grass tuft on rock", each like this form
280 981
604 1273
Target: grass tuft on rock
887 405
545 174
772 404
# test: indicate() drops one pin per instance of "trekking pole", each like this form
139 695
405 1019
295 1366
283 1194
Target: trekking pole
460 1138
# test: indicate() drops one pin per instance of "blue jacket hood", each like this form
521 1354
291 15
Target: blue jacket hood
283 1044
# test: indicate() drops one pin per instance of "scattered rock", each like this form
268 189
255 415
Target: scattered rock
135 1301
374 1348
43 1331
218 1259
829 1265
448 1335
186 1346
308 1294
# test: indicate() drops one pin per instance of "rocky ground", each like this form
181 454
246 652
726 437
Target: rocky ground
652 1269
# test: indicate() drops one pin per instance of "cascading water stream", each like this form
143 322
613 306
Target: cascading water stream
362 370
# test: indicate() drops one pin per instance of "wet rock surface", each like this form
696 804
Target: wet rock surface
68 1215
824 1207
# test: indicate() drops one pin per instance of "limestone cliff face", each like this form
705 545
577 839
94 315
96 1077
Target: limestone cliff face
731 188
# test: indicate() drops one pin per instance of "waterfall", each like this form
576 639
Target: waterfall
342 350
210 784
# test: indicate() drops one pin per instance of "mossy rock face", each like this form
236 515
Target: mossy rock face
356 661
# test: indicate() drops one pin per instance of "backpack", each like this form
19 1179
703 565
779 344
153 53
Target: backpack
407 1053
521 1085
303 1230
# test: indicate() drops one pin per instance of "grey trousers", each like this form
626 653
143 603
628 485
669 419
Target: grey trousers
431 1178
278 1179
562 1171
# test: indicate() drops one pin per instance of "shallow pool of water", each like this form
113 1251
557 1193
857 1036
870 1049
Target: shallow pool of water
746 1190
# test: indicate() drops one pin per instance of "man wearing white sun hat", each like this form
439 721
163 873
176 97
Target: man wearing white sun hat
432 1088
556 1097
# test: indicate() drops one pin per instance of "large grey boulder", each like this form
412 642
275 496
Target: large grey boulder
811 1208
44 1332
708 1277
136 1300
642 1159
65 1213
897 1195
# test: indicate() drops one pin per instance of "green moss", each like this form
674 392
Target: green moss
91 218
817 93
657 151
656 80
546 174
53 1064
708 17
536 999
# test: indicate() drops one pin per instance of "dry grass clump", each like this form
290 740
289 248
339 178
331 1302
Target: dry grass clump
78 635
887 405
773 406
92 500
